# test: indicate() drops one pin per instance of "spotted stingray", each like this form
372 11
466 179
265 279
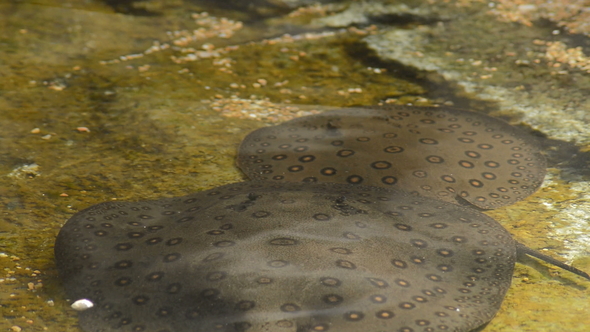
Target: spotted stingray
267 256
444 153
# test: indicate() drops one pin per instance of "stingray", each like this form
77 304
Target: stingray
453 155
266 256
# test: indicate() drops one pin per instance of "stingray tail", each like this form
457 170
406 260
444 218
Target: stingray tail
522 249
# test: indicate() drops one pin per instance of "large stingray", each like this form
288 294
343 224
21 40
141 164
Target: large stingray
265 256
442 152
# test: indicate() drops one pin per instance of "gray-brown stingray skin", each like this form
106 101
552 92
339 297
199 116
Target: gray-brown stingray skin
436 152
279 256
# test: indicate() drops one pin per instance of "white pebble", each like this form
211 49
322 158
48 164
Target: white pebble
83 304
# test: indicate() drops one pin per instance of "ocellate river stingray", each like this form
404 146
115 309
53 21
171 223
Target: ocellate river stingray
445 153
264 256
293 252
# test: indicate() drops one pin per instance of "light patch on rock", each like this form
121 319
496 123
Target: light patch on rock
576 216
25 171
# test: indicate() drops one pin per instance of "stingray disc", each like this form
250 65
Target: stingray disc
443 153
265 256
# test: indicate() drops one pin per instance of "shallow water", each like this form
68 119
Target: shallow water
83 122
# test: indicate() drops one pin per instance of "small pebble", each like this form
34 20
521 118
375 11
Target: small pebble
82 304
